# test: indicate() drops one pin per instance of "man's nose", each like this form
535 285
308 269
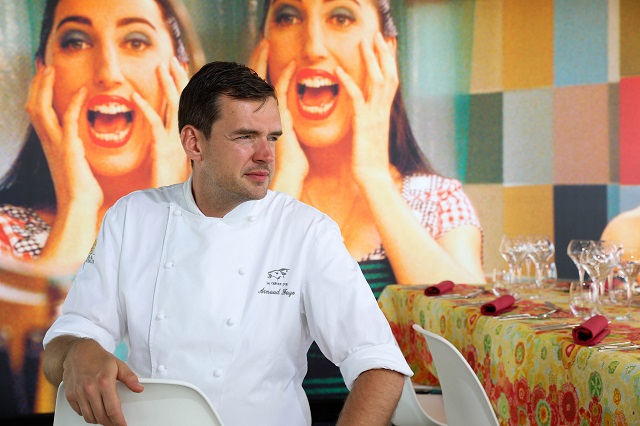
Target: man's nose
264 151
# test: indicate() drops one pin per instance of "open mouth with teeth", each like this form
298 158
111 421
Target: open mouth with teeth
317 93
110 120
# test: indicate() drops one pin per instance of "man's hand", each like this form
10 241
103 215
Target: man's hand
90 374
373 398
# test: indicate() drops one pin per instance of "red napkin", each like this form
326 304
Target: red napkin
498 306
440 288
592 331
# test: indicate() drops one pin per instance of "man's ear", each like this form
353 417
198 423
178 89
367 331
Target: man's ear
192 139
39 64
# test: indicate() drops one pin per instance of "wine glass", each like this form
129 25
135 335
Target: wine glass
599 261
575 249
630 264
514 250
541 250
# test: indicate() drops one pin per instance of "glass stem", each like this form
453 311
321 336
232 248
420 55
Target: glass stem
581 274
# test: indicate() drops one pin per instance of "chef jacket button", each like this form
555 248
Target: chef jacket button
217 373
242 271
230 322
253 218
177 212
160 316
161 368
168 265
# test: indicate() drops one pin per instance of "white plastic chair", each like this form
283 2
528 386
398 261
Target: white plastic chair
162 403
465 401
411 412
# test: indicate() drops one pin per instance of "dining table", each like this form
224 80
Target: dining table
531 368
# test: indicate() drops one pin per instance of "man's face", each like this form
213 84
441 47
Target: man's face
237 161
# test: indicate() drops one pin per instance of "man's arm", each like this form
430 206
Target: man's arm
373 398
90 375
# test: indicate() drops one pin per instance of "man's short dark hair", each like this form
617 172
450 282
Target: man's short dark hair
200 99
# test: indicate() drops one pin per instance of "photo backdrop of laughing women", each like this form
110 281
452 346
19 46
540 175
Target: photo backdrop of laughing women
103 110
348 149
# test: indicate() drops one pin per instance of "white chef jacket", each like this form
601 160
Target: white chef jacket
229 304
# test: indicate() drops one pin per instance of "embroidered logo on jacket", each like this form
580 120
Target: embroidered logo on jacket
279 287
277 273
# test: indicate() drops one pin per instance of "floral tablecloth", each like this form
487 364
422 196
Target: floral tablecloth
531 378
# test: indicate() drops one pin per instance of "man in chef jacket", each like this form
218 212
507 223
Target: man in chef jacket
223 283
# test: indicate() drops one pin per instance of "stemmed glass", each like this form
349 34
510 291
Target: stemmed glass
574 251
599 261
514 250
630 264
541 250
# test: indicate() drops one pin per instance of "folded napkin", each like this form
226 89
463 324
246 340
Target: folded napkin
498 306
440 288
592 331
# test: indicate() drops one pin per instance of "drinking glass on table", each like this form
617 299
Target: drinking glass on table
549 275
599 261
583 298
630 264
574 251
514 251
541 250
618 294
503 283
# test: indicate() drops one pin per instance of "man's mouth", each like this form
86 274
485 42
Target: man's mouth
110 120
258 175
317 93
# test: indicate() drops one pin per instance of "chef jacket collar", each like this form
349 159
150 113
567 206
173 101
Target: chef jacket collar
241 214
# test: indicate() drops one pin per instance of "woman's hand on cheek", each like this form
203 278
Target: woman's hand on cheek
72 177
259 58
292 165
372 108
169 163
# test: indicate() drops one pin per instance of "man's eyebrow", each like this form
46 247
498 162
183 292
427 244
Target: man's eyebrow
253 132
244 131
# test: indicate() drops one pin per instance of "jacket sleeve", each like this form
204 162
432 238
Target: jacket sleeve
342 314
92 307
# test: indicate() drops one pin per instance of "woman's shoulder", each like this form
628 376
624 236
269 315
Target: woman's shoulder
431 183
23 232
441 202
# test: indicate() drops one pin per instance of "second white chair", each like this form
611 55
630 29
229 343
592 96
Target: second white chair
465 401
411 410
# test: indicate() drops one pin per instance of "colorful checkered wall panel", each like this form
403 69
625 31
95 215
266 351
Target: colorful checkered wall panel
554 119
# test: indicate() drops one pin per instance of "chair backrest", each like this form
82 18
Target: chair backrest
162 403
409 411
465 401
